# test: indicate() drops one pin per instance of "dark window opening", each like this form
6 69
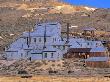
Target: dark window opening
21 54
52 24
34 39
45 56
39 39
51 55
55 39
63 47
54 46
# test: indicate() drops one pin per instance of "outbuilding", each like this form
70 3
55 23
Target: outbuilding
98 52
78 53
98 62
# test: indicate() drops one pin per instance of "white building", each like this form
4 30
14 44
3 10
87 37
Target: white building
44 42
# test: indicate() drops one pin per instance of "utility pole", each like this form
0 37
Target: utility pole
30 24
68 32
29 39
29 34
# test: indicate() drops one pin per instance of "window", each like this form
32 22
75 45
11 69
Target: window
12 55
87 43
54 46
51 55
58 55
52 24
55 39
34 39
21 54
39 24
58 47
45 55
63 47
39 39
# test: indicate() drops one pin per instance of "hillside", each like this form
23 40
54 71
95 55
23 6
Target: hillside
17 17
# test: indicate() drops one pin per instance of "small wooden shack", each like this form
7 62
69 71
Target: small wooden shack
98 62
89 32
85 53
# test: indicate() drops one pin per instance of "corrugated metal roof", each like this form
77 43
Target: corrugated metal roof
98 49
94 59
82 43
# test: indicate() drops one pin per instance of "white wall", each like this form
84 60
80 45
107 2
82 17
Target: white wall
36 56
21 43
17 43
12 55
56 55
48 40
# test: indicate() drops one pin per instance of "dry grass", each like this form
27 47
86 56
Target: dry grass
54 79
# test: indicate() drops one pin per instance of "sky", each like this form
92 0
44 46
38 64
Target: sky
91 3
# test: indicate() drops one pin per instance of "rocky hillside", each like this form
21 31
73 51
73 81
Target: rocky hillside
63 67
16 17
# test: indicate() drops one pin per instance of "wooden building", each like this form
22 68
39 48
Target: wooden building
84 49
85 53
78 53
89 32
98 62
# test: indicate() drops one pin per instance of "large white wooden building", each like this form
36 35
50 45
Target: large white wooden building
46 43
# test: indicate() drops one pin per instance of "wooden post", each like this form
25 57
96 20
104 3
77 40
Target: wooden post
29 39
68 32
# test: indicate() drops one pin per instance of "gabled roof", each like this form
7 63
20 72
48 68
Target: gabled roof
13 50
77 42
93 44
82 43
19 50
35 34
60 43
94 59
51 29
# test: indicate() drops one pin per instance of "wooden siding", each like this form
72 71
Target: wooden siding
97 54
83 53
98 64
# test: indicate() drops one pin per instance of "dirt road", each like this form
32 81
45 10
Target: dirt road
54 79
